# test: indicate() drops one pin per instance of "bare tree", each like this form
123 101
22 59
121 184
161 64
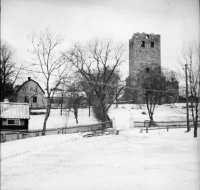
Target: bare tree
9 73
98 62
189 59
155 87
53 67
75 99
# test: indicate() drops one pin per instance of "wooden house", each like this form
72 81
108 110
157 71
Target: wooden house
14 116
31 92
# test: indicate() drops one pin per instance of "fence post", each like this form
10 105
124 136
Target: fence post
147 125
114 123
4 137
17 134
131 123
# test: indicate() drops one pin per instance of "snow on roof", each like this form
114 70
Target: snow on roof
13 110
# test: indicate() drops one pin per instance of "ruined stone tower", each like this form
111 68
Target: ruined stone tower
144 53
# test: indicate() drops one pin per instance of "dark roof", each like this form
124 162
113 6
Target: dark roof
28 81
12 110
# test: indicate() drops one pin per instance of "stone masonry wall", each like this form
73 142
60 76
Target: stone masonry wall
144 51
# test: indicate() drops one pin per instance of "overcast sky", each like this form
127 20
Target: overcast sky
177 21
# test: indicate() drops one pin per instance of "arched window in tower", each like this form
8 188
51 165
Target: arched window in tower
143 44
152 44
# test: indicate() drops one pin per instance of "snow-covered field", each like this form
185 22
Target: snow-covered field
158 160
122 114
56 120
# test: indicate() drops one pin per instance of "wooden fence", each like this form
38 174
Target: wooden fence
149 125
15 135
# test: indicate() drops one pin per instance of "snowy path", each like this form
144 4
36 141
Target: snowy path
127 161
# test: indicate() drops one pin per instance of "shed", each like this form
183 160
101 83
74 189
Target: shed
14 116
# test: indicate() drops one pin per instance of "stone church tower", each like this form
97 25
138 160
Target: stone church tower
144 53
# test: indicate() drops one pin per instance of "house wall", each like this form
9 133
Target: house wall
31 89
23 125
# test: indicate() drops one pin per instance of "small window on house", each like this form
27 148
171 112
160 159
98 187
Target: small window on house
13 122
143 44
152 44
34 99
26 99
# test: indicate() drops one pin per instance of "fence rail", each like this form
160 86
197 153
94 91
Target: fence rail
149 125
22 134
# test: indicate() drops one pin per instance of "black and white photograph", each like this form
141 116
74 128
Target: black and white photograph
100 95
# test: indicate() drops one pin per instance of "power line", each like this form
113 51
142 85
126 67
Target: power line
101 83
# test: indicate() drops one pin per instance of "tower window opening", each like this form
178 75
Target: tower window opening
142 44
152 44
147 36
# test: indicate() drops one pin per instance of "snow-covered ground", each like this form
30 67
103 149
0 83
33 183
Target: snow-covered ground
158 160
56 120
130 160
122 114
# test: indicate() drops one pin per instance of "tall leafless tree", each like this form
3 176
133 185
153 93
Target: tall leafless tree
52 66
9 72
98 62
74 99
189 58
154 86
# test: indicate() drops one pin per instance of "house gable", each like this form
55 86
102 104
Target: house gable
26 83
32 93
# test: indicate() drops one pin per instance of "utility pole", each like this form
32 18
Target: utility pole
187 110
61 103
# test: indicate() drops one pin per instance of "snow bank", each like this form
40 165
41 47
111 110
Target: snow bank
14 148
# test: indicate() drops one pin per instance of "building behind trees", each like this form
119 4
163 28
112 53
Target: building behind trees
144 56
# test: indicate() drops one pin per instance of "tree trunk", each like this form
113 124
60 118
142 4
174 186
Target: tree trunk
104 119
195 128
151 117
89 109
46 115
61 108
76 120
76 114
89 104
